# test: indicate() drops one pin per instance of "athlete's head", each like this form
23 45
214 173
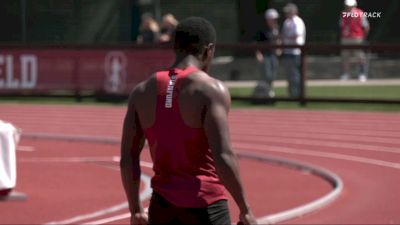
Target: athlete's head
196 36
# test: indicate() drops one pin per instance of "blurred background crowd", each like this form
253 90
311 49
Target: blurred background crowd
120 21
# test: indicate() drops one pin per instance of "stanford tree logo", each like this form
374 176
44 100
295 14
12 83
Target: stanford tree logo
115 66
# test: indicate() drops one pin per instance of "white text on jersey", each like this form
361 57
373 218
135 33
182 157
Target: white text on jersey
170 92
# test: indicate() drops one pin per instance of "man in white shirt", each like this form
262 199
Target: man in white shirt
293 33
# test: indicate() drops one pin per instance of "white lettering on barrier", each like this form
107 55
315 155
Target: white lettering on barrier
28 72
10 81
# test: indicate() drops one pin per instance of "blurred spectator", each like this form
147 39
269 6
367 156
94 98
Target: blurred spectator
169 24
149 31
293 33
268 58
354 28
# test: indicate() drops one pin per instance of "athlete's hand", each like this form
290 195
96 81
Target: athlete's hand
139 218
247 218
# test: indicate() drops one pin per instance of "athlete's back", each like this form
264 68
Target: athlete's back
170 108
192 96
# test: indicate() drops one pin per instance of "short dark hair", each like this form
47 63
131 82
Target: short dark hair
193 34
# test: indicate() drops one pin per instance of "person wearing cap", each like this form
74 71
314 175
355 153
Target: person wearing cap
354 28
268 58
293 33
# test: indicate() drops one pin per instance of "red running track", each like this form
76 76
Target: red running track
362 148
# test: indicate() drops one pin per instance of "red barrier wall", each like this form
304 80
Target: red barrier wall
46 70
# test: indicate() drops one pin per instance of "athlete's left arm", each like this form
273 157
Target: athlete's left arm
131 145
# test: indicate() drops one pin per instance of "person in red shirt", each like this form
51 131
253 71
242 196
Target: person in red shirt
354 28
183 114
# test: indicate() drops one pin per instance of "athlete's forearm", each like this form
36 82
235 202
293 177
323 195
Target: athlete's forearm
131 145
130 174
228 172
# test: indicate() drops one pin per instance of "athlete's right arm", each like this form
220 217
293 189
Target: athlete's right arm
217 131
131 145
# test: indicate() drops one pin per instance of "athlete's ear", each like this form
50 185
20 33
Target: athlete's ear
211 49
208 52
207 56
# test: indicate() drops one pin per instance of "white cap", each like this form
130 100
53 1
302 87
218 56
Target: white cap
271 14
350 2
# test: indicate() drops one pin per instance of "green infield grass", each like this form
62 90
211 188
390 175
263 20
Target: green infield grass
359 91
389 92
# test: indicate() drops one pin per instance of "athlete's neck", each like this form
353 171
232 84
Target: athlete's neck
184 60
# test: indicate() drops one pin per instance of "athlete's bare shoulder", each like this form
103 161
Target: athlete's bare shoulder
212 89
144 86
143 89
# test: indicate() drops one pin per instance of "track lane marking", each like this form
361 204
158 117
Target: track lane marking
298 151
24 148
311 206
332 144
110 219
143 196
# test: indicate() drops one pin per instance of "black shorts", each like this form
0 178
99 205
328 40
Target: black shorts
163 212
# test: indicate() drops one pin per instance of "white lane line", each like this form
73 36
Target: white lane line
114 167
321 202
113 218
90 215
142 163
72 137
143 196
80 159
316 136
23 148
297 151
122 216
332 144
110 219
146 164
68 159
307 128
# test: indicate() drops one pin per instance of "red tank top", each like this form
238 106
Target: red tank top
184 169
351 26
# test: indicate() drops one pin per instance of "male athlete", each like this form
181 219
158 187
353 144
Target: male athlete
183 114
